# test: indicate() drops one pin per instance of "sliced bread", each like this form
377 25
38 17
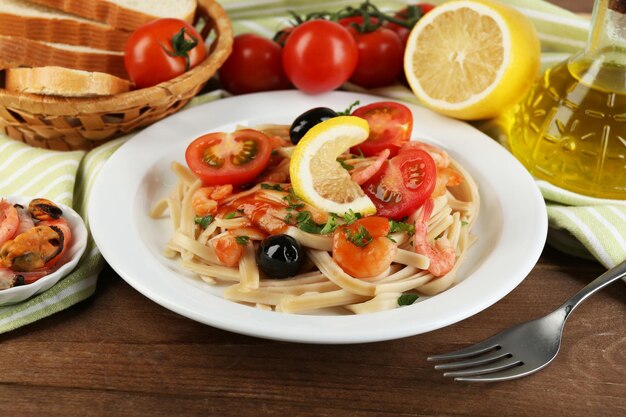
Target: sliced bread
33 21
20 52
126 14
57 81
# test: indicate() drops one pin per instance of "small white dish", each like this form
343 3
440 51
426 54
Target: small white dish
72 256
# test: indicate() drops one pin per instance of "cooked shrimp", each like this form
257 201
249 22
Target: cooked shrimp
441 158
441 254
228 251
362 248
42 209
204 200
9 221
446 177
361 175
33 249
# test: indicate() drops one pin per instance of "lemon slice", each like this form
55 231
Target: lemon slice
472 59
318 178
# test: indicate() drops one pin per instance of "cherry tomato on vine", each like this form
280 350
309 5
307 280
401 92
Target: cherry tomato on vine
255 64
390 126
229 158
161 50
319 56
420 9
402 184
380 58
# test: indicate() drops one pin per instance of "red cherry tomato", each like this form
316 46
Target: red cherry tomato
355 24
255 64
390 126
161 50
402 184
403 33
380 58
319 56
229 158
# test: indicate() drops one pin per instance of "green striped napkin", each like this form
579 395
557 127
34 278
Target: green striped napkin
598 226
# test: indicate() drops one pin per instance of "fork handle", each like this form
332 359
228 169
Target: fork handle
597 284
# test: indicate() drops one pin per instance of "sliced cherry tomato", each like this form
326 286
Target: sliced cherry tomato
161 50
255 64
380 58
229 158
319 56
390 125
402 184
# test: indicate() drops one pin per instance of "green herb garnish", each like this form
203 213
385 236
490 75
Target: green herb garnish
344 165
242 240
350 216
275 187
203 221
407 299
306 223
230 215
398 226
361 238
329 227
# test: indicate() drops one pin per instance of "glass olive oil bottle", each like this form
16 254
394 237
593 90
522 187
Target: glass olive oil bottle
571 128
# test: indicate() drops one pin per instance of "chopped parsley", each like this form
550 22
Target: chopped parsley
203 221
292 201
464 223
242 240
399 226
230 215
306 223
275 187
407 299
361 238
344 165
330 226
350 216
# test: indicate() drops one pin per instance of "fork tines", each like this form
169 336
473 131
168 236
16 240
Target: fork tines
485 361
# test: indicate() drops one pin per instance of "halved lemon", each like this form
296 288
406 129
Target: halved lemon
472 59
318 178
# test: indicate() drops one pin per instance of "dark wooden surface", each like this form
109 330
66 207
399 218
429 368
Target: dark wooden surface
119 353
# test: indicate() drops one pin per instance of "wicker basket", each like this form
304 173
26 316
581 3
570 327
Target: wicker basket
83 123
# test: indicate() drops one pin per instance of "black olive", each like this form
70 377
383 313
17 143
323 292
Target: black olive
307 120
280 256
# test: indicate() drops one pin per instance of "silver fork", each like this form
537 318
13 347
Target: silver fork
521 349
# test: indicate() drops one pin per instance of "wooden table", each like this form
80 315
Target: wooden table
119 353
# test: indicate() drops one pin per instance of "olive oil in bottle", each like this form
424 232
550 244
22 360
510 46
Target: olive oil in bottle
571 128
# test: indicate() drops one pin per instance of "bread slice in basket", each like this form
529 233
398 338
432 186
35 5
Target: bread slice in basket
20 52
126 14
58 81
33 21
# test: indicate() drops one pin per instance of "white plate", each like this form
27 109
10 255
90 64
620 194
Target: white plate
511 226
72 256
